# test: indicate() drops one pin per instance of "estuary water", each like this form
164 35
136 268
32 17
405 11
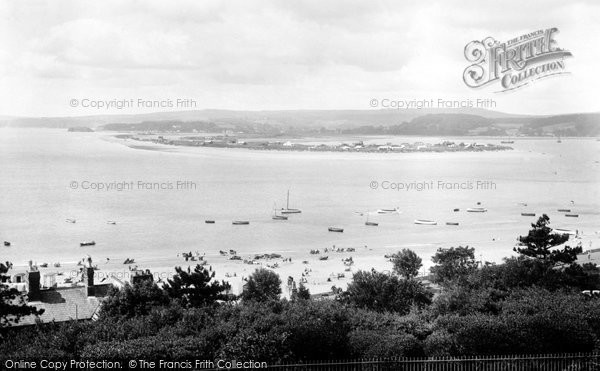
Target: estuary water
50 175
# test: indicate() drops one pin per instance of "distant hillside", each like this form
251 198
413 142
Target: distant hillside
566 125
163 126
302 118
463 122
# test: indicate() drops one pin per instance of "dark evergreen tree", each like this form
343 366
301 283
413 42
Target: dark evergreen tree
195 289
540 244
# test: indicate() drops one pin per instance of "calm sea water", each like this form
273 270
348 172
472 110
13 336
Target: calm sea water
37 167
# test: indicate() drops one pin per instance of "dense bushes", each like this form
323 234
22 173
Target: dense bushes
382 292
532 320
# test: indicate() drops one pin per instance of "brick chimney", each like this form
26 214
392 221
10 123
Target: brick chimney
33 283
88 278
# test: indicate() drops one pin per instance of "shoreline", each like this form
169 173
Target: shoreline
278 146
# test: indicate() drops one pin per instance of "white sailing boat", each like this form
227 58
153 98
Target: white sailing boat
287 209
277 216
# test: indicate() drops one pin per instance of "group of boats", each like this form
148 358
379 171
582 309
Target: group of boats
88 243
278 214
568 214
432 222
73 221
477 209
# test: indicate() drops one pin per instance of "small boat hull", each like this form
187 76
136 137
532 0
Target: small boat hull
7 243
280 217
527 214
240 222
564 210
291 211
477 210
572 215
425 222
564 231
372 224
336 229
451 223
209 222
386 211
87 243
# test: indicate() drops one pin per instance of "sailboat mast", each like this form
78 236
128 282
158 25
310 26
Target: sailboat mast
287 205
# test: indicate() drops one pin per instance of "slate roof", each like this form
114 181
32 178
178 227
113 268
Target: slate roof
65 304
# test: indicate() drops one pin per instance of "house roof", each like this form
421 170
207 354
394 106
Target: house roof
65 304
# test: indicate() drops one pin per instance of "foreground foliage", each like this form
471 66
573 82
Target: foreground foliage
531 303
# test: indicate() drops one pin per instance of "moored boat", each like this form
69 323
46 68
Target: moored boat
287 209
323 257
336 229
451 223
477 210
527 214
87 243
209 222
572 215
6 243
69 220
369 223
291 211
425 222
111 222
277 216
564 210
564 231
240 222
388 211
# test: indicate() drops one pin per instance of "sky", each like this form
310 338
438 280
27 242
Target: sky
275 55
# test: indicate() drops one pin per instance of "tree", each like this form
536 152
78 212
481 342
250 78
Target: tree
540 241
301 293
453 264
134 300
12 304
195 289
407 263
263 285
382 292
